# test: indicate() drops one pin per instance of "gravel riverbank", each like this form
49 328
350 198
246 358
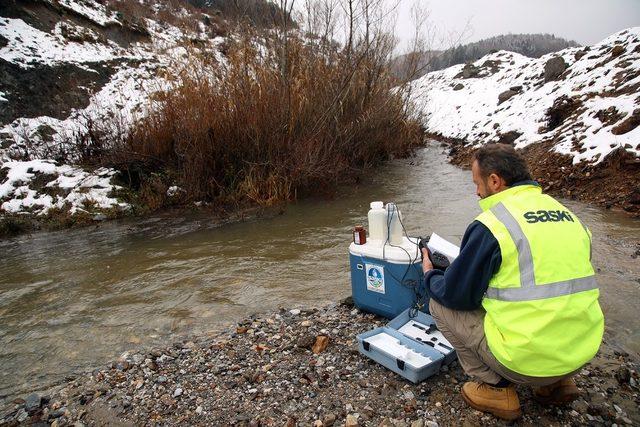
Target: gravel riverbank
274 369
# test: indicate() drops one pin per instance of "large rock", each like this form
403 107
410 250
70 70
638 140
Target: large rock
508 137
554 68
469 71
507 94
617 51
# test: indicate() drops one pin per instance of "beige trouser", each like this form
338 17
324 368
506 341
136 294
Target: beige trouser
465 332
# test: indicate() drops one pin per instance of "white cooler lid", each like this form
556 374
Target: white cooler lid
394 254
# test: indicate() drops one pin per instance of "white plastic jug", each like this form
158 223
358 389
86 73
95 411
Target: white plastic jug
377 223
394 225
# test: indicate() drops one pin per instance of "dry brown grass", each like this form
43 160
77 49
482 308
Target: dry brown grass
257 132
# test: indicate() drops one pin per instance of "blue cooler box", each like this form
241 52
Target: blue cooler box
409 346
378 272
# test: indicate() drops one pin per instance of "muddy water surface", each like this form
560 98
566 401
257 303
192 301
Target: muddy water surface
72 300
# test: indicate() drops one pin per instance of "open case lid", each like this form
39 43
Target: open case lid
422 329
399 353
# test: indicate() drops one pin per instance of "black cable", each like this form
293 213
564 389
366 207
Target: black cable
410 283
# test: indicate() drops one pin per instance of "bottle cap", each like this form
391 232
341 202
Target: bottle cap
376 205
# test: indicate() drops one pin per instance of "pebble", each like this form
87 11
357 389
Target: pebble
322 341
32 402
295 311
228 377
580 406
351 421
22 416
57 413
328 419
167 400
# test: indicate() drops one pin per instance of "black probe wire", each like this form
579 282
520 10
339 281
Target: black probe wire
411 284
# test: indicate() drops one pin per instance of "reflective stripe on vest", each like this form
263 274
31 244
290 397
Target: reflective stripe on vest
528 289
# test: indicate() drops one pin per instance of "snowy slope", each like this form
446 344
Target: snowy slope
140 68
601 87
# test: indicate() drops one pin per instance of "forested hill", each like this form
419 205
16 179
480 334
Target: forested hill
531 45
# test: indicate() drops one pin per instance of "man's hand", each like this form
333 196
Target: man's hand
426 261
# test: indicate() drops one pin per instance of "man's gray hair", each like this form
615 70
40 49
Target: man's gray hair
504 161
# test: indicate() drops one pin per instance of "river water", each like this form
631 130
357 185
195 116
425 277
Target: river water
74 299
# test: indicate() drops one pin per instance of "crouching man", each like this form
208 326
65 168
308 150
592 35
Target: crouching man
520 303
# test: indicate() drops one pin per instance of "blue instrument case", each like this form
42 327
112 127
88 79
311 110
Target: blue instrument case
409 346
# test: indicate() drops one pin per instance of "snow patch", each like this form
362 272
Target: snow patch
70 187
29 47
92 10
468 109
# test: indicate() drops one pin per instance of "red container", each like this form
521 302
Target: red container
359 235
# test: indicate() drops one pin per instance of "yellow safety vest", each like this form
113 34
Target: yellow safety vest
543 318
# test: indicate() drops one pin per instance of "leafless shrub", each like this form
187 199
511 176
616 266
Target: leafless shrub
287 116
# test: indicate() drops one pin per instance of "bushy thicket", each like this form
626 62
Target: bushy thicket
280 120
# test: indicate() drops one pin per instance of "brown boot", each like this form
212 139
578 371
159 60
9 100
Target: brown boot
558 393
502 402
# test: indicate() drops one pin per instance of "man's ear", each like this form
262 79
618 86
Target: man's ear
496 181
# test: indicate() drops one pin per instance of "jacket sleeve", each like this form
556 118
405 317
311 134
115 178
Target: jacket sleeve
465 282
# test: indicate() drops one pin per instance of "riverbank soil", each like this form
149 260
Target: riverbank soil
274 369
614 182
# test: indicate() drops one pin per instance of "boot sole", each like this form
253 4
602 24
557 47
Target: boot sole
500 413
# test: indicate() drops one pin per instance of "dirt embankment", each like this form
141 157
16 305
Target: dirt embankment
277 369
55 90
613 183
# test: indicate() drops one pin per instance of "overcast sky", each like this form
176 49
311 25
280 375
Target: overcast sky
585 21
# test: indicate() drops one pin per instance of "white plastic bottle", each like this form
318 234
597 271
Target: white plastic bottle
377 223
394 225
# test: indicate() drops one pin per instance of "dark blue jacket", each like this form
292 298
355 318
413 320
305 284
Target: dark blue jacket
463 285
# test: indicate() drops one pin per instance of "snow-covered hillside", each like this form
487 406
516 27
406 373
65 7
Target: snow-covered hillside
583 101
66 63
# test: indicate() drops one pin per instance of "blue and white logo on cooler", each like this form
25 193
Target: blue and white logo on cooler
375 278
